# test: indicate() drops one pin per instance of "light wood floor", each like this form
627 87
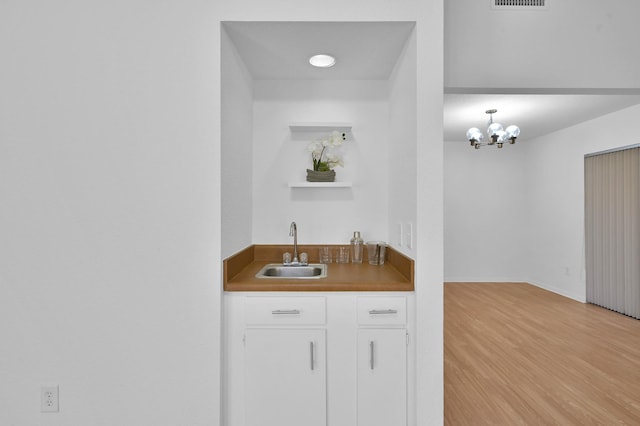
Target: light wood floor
515 354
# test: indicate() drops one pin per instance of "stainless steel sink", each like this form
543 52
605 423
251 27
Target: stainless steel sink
279 271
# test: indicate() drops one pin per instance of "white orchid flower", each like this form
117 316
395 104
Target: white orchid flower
336 138
315 148
334 160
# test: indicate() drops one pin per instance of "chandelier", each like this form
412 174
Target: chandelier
497 135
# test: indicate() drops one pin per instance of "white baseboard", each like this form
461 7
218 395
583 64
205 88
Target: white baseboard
561 292
484 280
578 298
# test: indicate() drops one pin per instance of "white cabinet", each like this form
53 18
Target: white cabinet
318 359
285 361
285 377
382 377
382 361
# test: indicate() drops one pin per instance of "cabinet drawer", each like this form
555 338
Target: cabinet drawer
285 310
382 310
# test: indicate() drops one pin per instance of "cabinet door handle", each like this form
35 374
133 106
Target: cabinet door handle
311 354
383 311
371 360
286 312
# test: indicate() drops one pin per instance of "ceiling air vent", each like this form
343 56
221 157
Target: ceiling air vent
519 4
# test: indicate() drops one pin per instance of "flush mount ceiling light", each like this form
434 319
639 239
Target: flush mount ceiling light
497 135
322 61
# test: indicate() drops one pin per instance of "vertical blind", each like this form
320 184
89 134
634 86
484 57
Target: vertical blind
612 229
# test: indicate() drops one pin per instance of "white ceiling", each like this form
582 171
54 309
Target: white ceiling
535 114
281 50
369 51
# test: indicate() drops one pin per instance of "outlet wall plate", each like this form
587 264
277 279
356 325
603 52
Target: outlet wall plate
49 399
408 239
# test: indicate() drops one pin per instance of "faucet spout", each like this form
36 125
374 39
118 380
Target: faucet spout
293 232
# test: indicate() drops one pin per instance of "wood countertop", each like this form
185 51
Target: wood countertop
240 269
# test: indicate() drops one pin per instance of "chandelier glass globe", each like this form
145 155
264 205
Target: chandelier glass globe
513 132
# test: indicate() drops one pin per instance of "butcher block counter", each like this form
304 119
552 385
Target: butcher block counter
240 269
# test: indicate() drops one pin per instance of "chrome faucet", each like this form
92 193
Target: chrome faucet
293 232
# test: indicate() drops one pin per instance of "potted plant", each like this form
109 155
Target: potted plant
324 158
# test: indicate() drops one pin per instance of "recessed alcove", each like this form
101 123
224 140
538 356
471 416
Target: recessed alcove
268 88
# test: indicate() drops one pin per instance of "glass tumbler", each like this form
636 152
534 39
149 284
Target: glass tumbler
325 254
342 254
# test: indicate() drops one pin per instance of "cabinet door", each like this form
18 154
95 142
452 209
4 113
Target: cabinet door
382 377
285 377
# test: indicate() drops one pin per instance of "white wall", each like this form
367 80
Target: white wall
572 44
401 151
429 208
485 213
237 149
109 222
555 197
323 215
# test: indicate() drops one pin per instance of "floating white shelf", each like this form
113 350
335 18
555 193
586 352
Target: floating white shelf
320 127
320 184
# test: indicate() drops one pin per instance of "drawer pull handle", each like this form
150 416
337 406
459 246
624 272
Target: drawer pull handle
371 360
383 311
286 312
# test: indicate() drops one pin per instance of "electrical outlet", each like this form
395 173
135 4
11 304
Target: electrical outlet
49 402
